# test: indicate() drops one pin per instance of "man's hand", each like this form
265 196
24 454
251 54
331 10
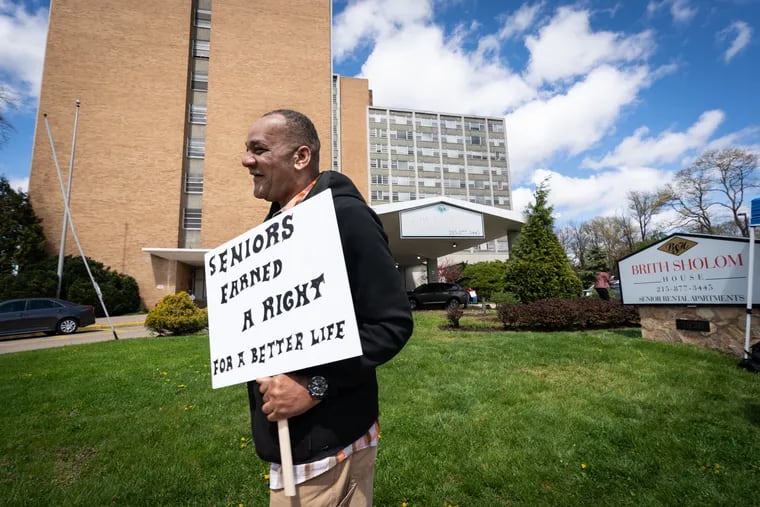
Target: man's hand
285 396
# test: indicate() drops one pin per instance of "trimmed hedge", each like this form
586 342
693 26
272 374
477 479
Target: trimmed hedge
176 314
567 314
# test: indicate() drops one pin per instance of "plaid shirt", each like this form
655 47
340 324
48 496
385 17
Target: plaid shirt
303 473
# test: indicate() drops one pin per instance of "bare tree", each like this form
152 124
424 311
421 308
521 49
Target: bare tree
628 233
690 198
607 234
644 206
735 173
575 240
718 180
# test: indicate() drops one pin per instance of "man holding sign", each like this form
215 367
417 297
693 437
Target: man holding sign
332 408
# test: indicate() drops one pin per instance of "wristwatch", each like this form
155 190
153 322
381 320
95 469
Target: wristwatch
317 387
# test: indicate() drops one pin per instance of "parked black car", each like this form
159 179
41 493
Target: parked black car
431 294
46 315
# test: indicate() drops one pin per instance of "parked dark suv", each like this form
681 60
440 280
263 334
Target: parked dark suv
432 294
46 315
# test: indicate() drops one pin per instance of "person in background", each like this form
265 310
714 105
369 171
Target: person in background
332 409
602 285
472 295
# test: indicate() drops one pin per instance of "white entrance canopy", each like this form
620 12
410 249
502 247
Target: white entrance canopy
437 226
189 256
420 229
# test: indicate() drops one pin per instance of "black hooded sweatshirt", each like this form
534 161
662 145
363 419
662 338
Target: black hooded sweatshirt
385 324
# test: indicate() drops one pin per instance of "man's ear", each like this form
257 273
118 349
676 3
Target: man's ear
302 157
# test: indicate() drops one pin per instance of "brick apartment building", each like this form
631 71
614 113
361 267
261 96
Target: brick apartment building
167 97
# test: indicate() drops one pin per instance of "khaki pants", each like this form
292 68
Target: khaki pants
348 484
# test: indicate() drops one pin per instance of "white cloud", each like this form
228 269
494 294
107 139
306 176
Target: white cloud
567 47
22 48
519 22
441 76
601 194
682 11
571 122
743 35
640 150
19 184
364 21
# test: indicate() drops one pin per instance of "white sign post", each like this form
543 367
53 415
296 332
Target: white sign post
279 301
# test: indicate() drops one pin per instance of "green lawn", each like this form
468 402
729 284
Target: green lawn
468 418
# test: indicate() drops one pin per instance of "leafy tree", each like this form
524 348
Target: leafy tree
486 278
22 240
450 272
538 267
120 292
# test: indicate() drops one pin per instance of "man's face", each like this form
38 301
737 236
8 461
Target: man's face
270 159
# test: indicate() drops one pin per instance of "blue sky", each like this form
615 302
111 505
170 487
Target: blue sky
603 97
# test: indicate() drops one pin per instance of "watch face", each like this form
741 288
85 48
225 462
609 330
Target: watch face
317 387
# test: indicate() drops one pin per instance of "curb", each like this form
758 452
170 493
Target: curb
123 324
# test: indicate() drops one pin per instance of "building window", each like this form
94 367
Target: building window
194 184
198 114
196 148
201 48
200 81
379 179
202 18
191 219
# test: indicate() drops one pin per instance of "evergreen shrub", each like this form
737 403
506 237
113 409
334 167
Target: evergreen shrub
567 314
176 314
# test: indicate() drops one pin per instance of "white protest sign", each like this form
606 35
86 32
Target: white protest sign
278 297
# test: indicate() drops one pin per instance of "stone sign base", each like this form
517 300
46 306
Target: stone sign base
726 323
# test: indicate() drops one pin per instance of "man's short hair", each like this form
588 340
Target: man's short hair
301 129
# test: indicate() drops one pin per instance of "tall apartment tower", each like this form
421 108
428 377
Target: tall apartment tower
168 90
419 154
